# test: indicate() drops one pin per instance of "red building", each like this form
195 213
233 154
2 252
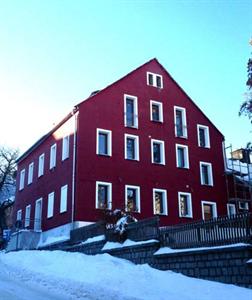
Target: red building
140 144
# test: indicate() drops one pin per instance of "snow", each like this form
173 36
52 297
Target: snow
94 239
127 243
167 250
62 275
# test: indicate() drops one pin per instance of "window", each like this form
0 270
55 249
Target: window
132 198
157 152
156 111
50 205
65 147
160 202
19 215
243 205
131 147
30 173
154 80
103 142
182 156
180 122
27 215
103 195
41 165
203 136
130 111
185 205
209 210
63 199
231 210
53 156
22 179
206 175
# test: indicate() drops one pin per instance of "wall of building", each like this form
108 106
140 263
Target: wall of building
106 111
52 180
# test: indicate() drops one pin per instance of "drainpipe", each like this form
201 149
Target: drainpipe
75 113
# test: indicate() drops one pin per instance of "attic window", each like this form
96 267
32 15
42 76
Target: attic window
155 80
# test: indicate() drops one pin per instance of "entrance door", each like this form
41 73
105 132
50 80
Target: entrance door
38 214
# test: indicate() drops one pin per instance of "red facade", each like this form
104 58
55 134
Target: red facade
82 171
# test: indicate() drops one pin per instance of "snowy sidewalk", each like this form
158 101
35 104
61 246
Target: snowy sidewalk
40 275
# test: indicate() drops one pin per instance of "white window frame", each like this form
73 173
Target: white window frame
22 179
65 147
109 141
136 139
19 215
135 101
53 156
184 122
186 156
138 199
210 173
41 163
109 196
160 109
30 173
246 206
50 205
63 198
190 214
162 151
165 206
206 134
38 219
27 215
155 75
213 204
233 207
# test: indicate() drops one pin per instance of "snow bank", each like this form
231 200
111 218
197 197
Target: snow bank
127 243
106 277
167 250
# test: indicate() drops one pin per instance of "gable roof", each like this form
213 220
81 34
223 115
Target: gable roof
98 92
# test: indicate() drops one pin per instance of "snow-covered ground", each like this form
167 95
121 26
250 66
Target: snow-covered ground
40 275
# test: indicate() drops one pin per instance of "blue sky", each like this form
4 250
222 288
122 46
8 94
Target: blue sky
55 53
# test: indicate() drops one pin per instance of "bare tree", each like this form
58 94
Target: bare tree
8 159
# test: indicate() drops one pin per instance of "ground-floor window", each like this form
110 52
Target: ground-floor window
185 205
132 198
103 195
209 210
160 202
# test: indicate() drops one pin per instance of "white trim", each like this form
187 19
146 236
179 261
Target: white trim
246 206
186 156
19 215
162 151
136 139
160 108
184 122
206 135
214 206
164 193
138 200
30 173
27 215
155 75
109 141
232 206
50 205
65 147
63 198
22 179
53 156
109 196
135 113
38 219
189 204
41 163
209 172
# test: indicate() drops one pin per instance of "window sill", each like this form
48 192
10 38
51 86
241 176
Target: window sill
183 168
133 127
131 159
104 155
181 137
209 185
187 217
157 121
158 164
